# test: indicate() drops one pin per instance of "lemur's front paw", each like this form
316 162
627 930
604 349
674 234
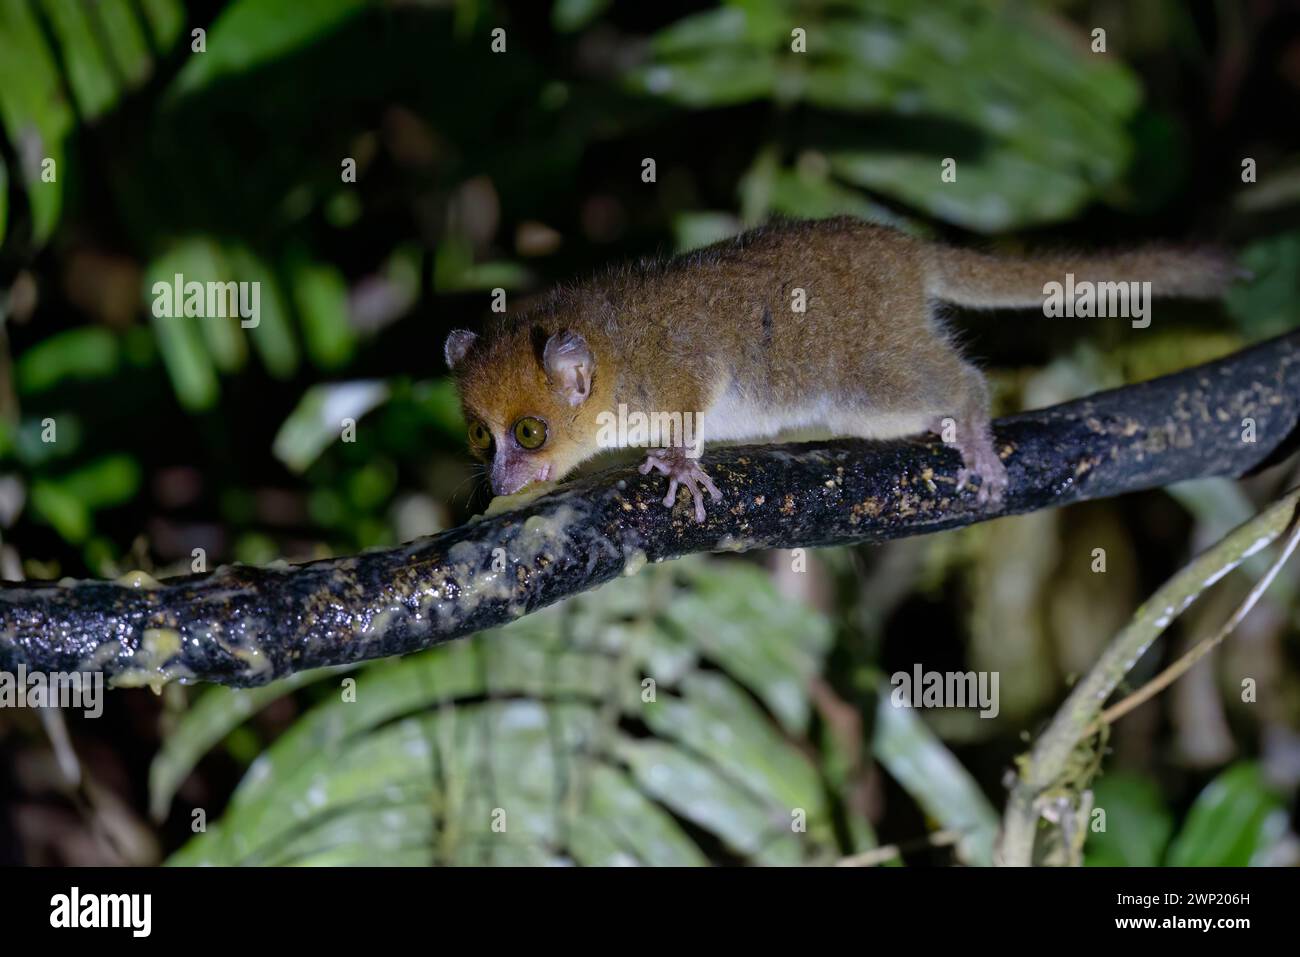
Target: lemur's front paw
680 469
981 459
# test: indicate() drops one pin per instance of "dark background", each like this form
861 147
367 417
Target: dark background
523 169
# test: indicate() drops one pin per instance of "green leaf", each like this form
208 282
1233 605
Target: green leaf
1232 823
927 770
439 401
317 420
642 830
515 747
272 336
733 617
166 18
698 229
992 192
454 269
725 30
87 353
200 260
88 73
187 362
808 195
124 34
35 112
250 33
1038 127
194 348
321 297
748 751
68 501
722 80
697 792
67 513
87 40
569 16
1137 823
217 712
107 481
36 445
1269 303
4 199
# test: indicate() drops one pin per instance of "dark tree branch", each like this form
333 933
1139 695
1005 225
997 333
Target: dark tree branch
244 625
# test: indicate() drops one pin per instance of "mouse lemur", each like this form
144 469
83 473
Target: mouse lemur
826 325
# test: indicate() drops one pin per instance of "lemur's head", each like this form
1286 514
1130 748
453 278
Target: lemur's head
526 393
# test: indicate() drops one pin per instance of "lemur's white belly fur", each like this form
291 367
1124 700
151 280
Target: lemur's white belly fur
735 417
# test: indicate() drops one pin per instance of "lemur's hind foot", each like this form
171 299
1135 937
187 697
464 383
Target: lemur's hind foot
980 458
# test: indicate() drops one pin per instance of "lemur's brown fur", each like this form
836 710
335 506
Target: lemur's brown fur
717 333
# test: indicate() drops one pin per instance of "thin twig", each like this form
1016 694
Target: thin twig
1184 664
1049 761
887 852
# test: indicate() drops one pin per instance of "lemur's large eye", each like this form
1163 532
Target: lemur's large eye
479 435
530 433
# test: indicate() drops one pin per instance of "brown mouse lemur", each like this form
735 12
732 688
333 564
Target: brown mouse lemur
823 325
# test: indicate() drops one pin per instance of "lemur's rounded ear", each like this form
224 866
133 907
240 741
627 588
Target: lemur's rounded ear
569 365
458 343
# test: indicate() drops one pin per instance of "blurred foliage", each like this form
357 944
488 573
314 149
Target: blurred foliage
1236 820
1040 123
551 719
129 439
543 744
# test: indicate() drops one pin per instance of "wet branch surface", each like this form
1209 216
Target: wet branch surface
244 625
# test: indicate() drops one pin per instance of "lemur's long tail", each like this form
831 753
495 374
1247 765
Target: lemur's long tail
977 280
